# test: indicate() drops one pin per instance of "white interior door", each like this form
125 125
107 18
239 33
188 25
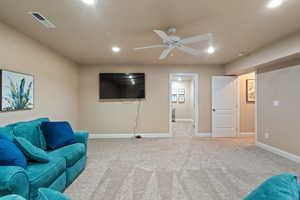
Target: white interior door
224 106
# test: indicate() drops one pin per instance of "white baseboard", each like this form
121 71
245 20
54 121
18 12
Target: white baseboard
247 133
279 152
128 135
184 120
203 135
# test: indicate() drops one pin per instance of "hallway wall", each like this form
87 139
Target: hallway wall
184 110
247 109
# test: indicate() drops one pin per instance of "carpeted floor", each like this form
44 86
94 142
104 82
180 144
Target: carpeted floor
178 168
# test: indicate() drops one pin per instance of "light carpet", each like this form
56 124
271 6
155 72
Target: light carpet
179 168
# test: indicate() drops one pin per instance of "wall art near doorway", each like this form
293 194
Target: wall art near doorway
250 84
16 91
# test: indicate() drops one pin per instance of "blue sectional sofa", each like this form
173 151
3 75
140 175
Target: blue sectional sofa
65 163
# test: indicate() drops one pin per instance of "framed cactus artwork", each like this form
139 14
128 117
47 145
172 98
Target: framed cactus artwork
16 91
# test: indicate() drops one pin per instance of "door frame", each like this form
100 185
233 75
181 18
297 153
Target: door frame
236 107
239 107
196 99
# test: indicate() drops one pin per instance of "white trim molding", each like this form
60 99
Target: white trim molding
184 120
279 152
128 135
247 133
203 134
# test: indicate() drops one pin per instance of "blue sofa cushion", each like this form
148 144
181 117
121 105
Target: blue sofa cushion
7 132
72 153
32 152
32 131
283 187
48 194
10 154
44 174
57 134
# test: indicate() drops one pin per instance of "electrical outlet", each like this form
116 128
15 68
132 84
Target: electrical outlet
267 135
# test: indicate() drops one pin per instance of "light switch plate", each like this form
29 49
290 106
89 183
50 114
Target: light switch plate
267 135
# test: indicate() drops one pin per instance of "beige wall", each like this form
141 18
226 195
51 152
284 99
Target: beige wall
184 110
279 51
281 122
247 109
56 79
118 117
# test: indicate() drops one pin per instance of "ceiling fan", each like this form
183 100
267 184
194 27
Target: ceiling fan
171 41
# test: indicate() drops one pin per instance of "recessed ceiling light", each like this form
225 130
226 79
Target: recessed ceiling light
274 3
89 2
116 49
242 53
211 50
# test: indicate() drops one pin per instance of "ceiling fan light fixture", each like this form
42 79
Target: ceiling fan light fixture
171 42
116 49
211 50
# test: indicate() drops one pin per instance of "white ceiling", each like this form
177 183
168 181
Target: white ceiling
86 33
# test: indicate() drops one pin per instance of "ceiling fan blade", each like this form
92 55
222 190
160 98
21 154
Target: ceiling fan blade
161 34
189 50
165 53
151 46
197 38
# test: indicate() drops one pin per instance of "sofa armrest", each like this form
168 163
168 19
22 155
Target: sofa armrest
81 137
13 180
12 197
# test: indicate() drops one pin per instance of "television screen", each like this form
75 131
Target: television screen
122 85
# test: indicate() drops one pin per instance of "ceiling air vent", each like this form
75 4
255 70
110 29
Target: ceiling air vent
42 19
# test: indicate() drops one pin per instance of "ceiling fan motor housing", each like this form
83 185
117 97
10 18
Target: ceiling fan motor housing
172 40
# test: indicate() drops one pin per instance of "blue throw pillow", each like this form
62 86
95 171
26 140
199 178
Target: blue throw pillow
10 154
57 134
32 152
283 187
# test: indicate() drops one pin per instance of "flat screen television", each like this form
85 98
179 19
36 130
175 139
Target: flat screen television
122 85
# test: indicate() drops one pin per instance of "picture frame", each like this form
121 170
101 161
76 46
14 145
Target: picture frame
250 91
174 98
181 91
174 91
16 91
181 99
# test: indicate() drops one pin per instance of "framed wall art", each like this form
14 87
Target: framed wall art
181 91
16 91
174 98
181 98
250 90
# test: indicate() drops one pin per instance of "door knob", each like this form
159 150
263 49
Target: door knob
214 110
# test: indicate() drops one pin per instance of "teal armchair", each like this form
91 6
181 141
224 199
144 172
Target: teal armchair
13 180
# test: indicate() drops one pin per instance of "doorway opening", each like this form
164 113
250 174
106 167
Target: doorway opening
247 104
183 109
234 105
